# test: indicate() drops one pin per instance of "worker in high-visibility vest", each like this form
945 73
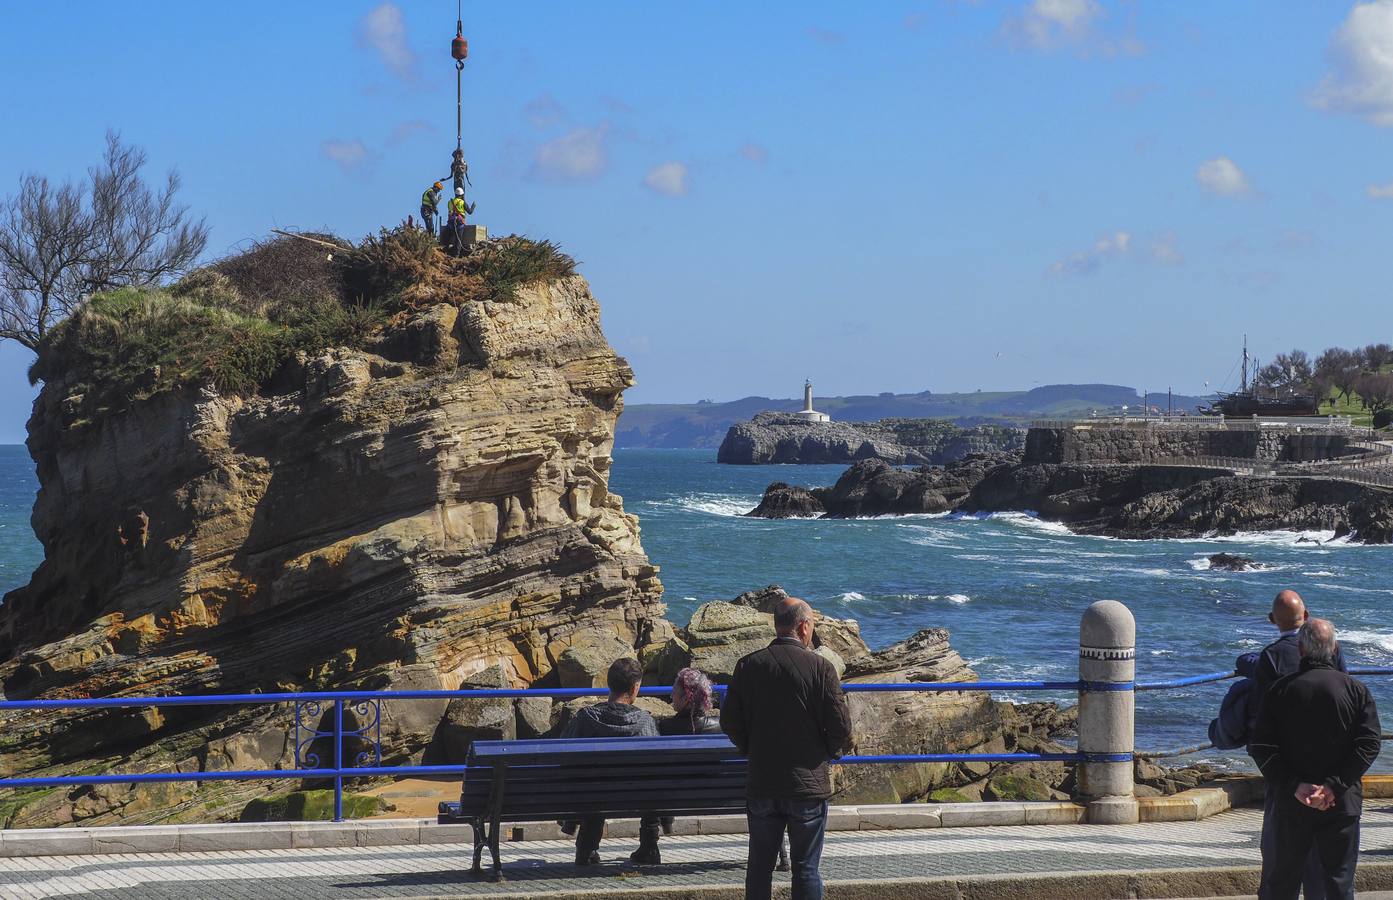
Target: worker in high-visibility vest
458 208
430 206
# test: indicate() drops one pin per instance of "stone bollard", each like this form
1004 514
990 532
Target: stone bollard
1107 707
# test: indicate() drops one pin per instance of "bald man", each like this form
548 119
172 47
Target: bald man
1280 658
1317 734
785 710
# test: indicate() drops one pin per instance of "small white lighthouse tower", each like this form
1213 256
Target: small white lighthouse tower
807 413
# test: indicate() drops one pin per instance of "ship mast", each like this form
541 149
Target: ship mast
1244 388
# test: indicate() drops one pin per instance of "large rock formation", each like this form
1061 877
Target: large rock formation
405 516
782 438
875 488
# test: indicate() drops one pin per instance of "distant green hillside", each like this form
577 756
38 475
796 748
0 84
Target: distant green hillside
705 424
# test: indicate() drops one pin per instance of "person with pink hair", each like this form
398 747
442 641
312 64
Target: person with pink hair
691 701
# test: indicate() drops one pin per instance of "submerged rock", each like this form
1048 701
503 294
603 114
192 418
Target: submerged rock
1232 562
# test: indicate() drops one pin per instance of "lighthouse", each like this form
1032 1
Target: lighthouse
807 413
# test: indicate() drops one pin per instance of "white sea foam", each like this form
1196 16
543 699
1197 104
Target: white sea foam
714 504
1383 640
1320 573
850 596
1200 565
958 598
1163 652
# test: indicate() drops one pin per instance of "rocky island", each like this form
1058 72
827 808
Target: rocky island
1133 482
374 468
786 438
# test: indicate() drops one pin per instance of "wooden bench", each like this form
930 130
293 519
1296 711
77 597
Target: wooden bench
571 778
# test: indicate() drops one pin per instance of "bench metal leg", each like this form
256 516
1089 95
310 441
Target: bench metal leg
495 827
478 826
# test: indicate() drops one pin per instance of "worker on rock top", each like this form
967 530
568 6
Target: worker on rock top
430 206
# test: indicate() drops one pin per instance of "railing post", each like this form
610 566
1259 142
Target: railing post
1107 707
338 760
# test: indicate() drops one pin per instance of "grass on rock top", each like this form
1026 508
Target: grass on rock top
235 323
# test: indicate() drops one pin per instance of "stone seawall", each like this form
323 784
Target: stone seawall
1150 442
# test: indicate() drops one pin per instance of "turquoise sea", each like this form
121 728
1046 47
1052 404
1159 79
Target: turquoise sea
1009 588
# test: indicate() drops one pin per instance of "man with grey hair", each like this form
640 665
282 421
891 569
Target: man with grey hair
1316 735
785 710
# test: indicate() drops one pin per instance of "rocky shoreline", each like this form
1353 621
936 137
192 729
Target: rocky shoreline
782 438
1138 501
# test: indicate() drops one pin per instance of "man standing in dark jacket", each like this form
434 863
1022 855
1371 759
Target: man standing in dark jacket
785 710
1316 735
1281 657
616 717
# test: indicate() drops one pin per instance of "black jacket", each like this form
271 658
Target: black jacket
1317 726
610 719
1281 657
685 723
785 710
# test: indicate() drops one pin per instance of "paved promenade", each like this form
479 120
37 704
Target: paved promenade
1182 859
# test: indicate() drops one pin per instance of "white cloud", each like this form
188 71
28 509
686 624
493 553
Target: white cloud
579 155
1044 24
1380 191
1054 24
384 29
667 178
544 111
1164 250
755 153
1222 176
408 130
348 154
1361 56
1086 262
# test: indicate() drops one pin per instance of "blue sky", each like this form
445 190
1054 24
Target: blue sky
892 196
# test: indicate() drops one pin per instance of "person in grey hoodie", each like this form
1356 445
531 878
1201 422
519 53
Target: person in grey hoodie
616 717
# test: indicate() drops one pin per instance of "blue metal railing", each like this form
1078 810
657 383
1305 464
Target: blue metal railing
366 707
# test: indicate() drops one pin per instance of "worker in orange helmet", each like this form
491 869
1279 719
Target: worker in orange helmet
430 206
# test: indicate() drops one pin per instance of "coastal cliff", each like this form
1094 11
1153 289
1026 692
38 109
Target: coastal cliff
782 438
227 505
424 511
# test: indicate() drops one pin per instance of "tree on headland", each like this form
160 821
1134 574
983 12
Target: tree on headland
1288 371
1376 356
1375 390
59 244
1339 368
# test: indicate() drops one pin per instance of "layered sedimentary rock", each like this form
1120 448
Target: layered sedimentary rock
782 438
403 517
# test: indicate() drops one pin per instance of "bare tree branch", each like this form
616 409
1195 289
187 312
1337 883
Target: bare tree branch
59 245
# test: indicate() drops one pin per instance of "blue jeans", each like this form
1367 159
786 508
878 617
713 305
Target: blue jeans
806 821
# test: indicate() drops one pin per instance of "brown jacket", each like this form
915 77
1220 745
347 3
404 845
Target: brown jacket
785 710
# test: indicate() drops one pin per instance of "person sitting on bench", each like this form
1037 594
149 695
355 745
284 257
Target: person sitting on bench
691 701
616 717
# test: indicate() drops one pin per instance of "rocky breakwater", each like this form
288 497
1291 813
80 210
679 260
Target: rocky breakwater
1147 502
424 506
782 438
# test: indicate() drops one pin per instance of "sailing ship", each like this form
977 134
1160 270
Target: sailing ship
1252 400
